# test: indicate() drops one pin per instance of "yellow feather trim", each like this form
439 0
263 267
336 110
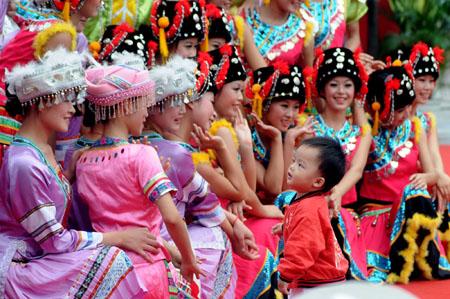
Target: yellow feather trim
201 158
366 129
412 252
431 225
239 23
223 123
41 39
417 128
309 32
445 236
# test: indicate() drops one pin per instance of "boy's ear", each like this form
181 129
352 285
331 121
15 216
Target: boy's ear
319 182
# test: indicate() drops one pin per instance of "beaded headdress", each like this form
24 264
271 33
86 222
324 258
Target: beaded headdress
115 91
227 67
426 60
175 20
119 41
203 75
276 82
218 21
58 77
390 89
174 81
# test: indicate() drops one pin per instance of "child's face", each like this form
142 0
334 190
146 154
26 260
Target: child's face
424 86
303 174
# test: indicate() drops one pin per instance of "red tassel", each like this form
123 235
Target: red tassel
124 27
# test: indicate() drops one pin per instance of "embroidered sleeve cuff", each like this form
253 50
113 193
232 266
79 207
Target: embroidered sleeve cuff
158 186
89 240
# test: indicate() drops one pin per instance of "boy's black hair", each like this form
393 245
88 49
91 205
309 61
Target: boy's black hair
331 159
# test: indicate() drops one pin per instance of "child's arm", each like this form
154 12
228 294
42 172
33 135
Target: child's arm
178 232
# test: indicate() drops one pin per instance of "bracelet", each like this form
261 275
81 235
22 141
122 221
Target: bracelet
234 221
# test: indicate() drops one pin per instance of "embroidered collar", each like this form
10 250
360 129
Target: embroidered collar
109 142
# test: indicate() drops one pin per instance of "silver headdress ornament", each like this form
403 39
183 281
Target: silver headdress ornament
174 81
58 77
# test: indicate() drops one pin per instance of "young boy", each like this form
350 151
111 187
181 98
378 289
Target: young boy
312 256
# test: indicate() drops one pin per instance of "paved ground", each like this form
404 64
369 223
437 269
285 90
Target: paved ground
440 106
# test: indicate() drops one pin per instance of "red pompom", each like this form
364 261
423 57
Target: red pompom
124 27
204 56
226 50
281 66
213 12
439 54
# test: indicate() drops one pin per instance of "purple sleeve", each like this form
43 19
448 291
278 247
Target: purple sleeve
37 201
203 205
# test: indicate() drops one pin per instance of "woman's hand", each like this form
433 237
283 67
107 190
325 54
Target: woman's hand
277 229
443 191
283 287
243 241
264 129
188 270
419 180
238 208
138 240
242 129
205 140
294 135
334 202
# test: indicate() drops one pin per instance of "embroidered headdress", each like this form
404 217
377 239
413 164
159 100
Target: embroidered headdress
172 21
390 89
276 82
226 67
426 60
116 91
57 78
174 81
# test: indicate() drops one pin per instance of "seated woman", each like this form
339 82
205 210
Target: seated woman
398 221
41 258
208 225
141 196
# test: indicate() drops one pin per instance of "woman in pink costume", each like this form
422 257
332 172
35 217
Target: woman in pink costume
398 220
282 30
116 178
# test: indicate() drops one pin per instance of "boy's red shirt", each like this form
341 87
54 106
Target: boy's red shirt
312 255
